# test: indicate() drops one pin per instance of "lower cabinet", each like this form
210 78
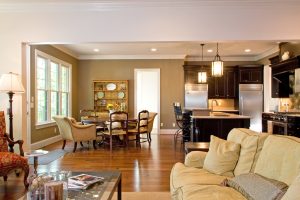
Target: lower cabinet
202 129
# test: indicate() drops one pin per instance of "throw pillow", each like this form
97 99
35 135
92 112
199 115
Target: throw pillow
222 156
293 193
255 187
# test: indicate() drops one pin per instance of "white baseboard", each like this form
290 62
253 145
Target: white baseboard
167 131
46 142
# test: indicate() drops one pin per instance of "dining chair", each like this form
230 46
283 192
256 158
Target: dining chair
141 128
116 135
151 119
10 161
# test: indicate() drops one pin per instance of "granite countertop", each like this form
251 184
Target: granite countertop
221 115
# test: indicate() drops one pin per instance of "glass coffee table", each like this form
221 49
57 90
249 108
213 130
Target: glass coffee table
103 190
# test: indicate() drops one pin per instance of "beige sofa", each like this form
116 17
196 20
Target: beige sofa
272 156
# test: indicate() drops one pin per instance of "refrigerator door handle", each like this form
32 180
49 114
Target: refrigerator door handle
242 104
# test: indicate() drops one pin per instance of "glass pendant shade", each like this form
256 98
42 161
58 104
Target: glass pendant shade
217 65
202 77
217 68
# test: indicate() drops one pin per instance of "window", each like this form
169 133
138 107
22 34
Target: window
52 88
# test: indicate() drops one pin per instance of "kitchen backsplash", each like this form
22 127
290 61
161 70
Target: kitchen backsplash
293 103
224 104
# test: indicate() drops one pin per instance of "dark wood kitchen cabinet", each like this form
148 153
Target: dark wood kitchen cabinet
250 74
191 72
225 86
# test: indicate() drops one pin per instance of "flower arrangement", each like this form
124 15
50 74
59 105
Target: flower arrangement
111 106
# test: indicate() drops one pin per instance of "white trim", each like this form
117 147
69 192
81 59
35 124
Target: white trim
28 95
167 131
98 5
66 50
60 63
267 53
129 57
46 142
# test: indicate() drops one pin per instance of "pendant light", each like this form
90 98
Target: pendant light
202 76
217 65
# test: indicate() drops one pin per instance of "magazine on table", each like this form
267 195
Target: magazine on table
83 181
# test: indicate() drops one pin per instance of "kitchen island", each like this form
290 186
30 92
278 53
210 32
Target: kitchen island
216 123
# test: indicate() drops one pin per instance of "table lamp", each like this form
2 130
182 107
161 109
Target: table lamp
11 84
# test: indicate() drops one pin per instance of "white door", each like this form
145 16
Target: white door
147 93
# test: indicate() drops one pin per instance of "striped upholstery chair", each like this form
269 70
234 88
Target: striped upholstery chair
10 161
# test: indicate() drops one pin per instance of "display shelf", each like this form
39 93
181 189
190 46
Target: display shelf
110 92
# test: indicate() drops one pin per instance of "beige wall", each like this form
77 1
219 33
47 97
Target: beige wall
44 133
171 77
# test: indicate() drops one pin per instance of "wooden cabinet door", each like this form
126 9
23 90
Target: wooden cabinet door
244 75
221 87
256 76
231 84
191 76
211 87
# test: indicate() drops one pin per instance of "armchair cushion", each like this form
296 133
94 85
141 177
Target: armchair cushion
195 159
10 161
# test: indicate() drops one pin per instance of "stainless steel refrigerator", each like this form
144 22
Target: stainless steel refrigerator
251 103
196 96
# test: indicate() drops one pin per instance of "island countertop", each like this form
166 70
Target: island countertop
220 115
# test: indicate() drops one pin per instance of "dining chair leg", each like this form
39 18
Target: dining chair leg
110 143
5 178
94 144
81 144
75 146
64 144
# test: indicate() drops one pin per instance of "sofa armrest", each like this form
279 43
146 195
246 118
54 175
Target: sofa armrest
195 159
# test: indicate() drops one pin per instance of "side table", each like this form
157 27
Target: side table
35 154
195 146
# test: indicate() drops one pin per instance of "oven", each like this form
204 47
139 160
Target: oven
277 127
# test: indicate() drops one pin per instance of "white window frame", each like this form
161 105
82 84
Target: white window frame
49 58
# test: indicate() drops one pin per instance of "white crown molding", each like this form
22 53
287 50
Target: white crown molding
224 58
129 57
267 53
66 50
99 5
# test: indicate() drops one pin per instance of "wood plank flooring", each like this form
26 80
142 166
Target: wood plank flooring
146 169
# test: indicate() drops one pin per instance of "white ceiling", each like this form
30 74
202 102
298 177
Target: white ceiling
234 50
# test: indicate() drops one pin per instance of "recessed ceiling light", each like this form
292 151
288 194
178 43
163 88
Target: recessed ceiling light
153 49
247 50
96 50
209 50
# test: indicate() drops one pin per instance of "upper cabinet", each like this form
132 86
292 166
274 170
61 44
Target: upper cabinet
250 74
224 87
283 77
191 73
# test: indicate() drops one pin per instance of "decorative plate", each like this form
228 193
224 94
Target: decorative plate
121 95
100 95
111 86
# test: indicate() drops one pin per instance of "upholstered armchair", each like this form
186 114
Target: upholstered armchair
71 130
11 161
152 116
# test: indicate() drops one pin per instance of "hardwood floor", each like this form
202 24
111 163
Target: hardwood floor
146 169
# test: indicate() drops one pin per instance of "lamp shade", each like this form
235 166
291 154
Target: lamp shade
217 68
11 83
202 77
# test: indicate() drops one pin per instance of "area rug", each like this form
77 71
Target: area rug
49 157
144 196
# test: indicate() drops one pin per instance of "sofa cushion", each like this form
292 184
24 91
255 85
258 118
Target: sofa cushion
293 193
251 144
254 186
182 175
222 156
279 158
195 159
207 192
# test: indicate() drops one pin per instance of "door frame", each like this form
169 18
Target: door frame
157 70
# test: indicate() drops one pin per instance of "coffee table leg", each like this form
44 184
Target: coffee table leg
120 189
35 164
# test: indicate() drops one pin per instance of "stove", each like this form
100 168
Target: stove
283 123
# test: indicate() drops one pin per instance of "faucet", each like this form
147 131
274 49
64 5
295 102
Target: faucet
212 104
